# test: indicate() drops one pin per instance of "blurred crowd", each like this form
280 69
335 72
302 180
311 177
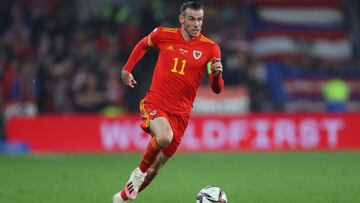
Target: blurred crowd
66 56
57 57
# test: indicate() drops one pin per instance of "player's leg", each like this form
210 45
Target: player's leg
154 170
164 155
151 174
162 137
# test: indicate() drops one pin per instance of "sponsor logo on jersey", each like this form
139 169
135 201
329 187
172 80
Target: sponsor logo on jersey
183 51
197 54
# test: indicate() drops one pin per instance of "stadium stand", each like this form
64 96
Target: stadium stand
65 56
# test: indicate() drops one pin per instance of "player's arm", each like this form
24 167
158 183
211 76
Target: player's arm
137 53
215 68
215 74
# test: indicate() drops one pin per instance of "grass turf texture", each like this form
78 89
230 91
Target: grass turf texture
321 177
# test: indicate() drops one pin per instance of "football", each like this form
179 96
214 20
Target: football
211 194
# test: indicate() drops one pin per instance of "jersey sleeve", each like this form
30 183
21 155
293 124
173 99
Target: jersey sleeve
141 48
214 53
154 37
136 54
216 82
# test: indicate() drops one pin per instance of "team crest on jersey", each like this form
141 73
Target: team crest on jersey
197 54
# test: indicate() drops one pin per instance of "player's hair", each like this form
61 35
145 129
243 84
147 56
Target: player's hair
195 5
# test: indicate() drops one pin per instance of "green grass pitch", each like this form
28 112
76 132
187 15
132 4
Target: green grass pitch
310 177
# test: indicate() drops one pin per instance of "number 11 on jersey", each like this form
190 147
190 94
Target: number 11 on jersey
174 69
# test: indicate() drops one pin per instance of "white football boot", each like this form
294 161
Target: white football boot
132 186
117 198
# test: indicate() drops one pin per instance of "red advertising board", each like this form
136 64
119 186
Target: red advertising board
92 133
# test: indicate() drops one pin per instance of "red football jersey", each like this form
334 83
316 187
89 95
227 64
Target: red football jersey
179 69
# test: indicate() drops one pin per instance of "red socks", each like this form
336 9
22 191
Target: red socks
150 155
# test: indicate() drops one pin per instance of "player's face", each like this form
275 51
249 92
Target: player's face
191 21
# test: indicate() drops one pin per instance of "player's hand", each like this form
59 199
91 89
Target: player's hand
216 66
128 78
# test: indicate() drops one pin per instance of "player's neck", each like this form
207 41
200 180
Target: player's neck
185 35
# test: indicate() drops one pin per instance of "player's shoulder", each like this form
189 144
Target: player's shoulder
164 30
207 40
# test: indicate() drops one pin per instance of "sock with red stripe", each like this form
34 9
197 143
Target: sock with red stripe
150 154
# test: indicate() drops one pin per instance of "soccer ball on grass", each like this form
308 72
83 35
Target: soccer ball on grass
211 194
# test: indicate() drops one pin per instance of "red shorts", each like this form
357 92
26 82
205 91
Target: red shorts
178 124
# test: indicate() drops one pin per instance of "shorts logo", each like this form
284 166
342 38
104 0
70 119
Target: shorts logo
197 54
153 112
170 47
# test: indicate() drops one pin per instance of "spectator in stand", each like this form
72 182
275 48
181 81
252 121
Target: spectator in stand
88 93
237 61
257 87
336 95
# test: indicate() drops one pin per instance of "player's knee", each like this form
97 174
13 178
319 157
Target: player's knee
164 140
165 137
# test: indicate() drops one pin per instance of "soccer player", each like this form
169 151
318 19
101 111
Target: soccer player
184 56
